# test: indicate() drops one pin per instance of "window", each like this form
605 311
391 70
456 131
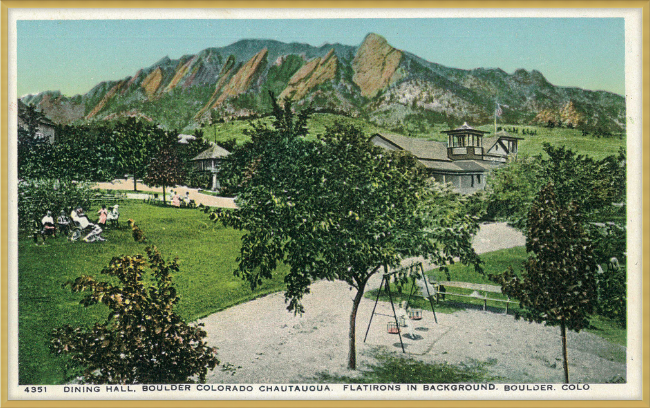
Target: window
478 178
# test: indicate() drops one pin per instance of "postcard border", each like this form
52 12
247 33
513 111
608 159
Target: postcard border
644 5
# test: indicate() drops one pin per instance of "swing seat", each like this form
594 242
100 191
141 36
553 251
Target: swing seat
415 314
392 328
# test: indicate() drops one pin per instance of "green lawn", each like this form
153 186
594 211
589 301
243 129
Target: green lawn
205 283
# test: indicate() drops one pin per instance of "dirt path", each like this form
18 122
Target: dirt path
199 198
267 344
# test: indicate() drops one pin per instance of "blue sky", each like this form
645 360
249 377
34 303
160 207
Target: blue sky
74 55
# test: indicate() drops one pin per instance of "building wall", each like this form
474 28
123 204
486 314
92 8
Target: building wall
463 183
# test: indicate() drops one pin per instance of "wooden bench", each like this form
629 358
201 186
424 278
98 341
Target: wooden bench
108 198
481 292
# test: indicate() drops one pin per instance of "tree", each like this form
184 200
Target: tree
32 119
143 340
166 169
594 185
558 286
337 208
511 189
136 143
36 196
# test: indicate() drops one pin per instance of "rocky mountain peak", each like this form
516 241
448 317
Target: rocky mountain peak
375 64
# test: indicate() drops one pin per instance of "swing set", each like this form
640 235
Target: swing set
416 314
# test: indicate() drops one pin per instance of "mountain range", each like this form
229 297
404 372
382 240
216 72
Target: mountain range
375 81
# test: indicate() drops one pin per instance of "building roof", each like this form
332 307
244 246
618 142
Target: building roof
465 128
459 166
214 152
489 142
504 134
420 148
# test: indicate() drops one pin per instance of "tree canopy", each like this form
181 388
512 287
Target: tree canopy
336 208
558 286
594 185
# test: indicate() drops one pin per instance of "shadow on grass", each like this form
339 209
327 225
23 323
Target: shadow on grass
397 369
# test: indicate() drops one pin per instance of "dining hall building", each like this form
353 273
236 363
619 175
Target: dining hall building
465 160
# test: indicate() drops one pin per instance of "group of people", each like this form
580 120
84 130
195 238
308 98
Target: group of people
77 224
178 201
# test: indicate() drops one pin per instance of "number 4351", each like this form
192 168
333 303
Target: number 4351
36 389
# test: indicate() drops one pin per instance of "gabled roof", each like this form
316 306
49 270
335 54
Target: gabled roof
459 166
214 152
506 135
489 142
465 128
420 148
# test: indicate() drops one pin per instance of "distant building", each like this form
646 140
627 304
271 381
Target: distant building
209 160
465 160
45 131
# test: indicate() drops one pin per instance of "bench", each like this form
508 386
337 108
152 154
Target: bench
108 198
481 291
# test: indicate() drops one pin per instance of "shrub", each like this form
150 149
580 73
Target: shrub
36 196
142 340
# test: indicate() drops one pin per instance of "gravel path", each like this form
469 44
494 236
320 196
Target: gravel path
267 344
199 198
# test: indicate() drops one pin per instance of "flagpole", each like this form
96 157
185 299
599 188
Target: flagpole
495 116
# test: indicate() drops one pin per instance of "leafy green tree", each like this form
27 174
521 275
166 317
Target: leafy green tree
337 208
137 143
31 119
512 188
609 240
166 169
143 340
558 286
594 185
36 196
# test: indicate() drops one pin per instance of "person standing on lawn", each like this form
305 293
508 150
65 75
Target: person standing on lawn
64 223
176 200
102 216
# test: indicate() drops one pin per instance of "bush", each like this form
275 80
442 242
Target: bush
36 196
609 241
143 340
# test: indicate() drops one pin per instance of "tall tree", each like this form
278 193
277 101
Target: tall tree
558 286
165 169
136 143
337 208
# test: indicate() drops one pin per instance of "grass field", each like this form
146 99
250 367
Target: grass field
205 283
529 145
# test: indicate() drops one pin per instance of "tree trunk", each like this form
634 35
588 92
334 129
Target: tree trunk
352 353
564 352
164 196
135 183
